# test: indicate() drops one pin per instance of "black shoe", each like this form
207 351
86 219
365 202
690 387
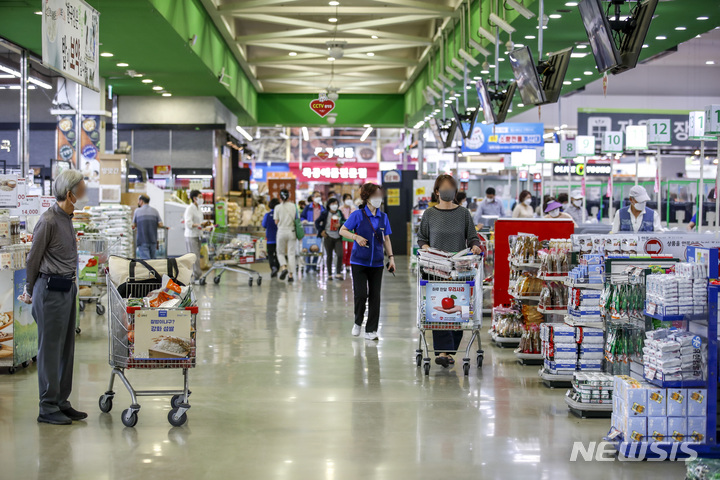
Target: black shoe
55 418
283 274
74 415
274 273
291 280
442 360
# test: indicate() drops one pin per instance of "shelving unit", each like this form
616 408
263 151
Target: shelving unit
588 410
552 380
505 342
529 358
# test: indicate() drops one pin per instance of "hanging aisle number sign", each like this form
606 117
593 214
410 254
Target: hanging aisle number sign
612 142
712 120
585 145
567 149
696 126
552 152
636 137
658 131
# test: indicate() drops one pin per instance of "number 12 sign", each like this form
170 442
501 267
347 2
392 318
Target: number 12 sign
659 132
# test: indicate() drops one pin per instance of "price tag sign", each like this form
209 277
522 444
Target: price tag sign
658 131
567 149
612 142
585 145
696 126
552 152
712 120
636 137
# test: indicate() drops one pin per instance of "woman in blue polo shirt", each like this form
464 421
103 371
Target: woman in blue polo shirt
268 223
371 239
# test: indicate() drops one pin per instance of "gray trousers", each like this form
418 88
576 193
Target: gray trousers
54 313
193 246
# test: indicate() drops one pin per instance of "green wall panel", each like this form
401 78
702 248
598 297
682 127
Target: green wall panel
380 110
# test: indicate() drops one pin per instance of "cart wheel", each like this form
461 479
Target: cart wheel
105 403
426 367
78 330
202 281
100 309
259 281
82 305
466 368
176 400
250 282
216 279
418 359
89 300
11 370
129 417
176 422
479 361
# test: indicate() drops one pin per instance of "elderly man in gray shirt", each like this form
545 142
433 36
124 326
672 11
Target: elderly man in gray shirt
51 288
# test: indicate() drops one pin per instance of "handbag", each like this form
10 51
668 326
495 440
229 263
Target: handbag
299 229
122 270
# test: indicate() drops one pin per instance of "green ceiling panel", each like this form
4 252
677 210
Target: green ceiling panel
293 110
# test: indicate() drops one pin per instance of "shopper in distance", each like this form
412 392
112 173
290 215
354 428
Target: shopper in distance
523 208
370 229
575 208
193 229
328 226
448 227
636 217
52 290
285 215
268 223
554 210
146 221
311 213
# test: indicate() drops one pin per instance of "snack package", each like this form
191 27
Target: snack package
169 291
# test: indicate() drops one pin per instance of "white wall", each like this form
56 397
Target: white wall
175 110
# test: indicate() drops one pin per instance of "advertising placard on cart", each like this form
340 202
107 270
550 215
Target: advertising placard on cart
446 302
162 334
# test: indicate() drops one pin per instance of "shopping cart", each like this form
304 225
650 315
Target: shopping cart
93 253
449 296
311 249
229 252
130 328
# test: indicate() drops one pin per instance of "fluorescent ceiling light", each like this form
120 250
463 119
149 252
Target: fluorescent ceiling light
331 59
581 46
578 55
15 73
520 9
485 72
167 94
661 37
488 36
555 15
122 64
374 36
468 58
106 54
39 83
332 19
192 176
529 37
366 133
292 54
157 87
587 72
333 3
577 79
245 134
484 51
702 18
566 82
370 54
519 45
305 134
680 29
571 4
504 26
710 62
146 80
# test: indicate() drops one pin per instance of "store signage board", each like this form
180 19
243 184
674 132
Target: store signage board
712 120
552 152
612 142
322 106
9 191
334 172
585 145
503 138
697 126
523 158
636 137
567 149
153 326
162 171
70 40
658 131
582 170
665 243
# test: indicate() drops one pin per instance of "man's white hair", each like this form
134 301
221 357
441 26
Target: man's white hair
66 182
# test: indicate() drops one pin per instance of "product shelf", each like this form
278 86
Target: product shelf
676 318
588 410
553 277
552 380
525 297
560 310
504 342
529 358
593 322
515 263
590 286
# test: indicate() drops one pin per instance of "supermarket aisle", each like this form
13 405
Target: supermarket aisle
283 391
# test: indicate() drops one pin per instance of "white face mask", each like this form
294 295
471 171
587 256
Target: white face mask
376 202
349 202
80 203
463 203
200 201
334 207
527 201
577 202
555 213
640 206
317 199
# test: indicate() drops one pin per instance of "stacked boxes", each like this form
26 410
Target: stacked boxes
591 348
590 269
644 412
684 293
584 304
567 349
673 355
592 388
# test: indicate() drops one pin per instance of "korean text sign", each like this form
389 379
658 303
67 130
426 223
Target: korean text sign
504 138
447 302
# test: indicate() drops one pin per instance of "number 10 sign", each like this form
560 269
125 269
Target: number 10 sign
613 142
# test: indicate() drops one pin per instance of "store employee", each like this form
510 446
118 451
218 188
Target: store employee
637 217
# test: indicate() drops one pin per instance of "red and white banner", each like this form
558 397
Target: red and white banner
335 172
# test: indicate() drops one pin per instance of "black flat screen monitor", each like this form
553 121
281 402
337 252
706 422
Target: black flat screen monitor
599 34
632 42
436 131
506 103
552 78
528 81
485 102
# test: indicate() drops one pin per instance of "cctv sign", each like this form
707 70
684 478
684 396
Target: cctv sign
322 106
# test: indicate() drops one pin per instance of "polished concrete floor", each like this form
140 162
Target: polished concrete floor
282 390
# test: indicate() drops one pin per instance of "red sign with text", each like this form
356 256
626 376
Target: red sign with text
335 172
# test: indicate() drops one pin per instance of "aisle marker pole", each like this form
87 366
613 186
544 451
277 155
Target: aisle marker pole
717 197
637 162
24 156
701 190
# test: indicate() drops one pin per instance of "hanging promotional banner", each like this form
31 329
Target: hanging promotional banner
90 149
504 138
335 173
322 106
70 40
609 192
66 138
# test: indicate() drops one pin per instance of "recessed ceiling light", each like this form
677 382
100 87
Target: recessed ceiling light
370 54
333 3
702 18
147 80
292 54
645 45
661 37
587 72
519 45
492 66
374 36
576 79
138 75
332 19
710 62
581 46
157 87
331 59
555 15
680 29
544 27
123 65
529 37
571 4
40 13
106 54
579 54
167 94
501 59
566 82
484 72
521 105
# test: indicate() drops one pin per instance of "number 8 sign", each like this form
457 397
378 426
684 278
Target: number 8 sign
567 149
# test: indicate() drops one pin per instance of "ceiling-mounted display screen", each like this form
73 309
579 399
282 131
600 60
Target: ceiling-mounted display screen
633 41
554 74
599 34
528 81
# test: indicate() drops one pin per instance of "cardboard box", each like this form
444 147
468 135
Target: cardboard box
696 430
636 429
677 428
657 402
657 429
677 402
696 402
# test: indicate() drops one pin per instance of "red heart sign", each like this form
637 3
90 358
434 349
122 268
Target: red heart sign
323 155
322 107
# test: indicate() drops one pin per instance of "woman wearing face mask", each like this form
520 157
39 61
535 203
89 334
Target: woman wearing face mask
328 225
347 208
448 227
524 209
311 213
553 210
369 228
575 209
193 226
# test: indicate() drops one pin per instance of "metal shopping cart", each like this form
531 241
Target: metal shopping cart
93 253
229 252
147 338
449 296
311 249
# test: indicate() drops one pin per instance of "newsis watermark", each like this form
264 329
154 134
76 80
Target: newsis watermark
636 451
